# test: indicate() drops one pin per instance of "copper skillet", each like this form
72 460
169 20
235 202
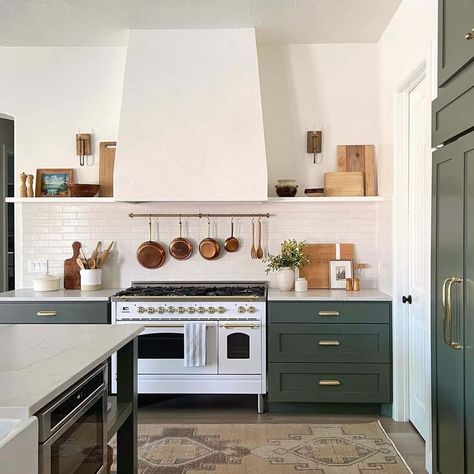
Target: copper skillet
231 244
150 254
181 248
208 247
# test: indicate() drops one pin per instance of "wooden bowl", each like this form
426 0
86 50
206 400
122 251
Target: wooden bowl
83 190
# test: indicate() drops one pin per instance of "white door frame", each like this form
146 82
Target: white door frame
401 395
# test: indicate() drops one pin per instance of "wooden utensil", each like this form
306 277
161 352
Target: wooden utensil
72 277
104 256
253 250
80 263
208 247
95 252
180 248
344 184
359 158
259 249
232 243
149 254
106 168
317 271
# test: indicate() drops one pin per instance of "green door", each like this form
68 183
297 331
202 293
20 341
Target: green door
456 20
466 147
448 363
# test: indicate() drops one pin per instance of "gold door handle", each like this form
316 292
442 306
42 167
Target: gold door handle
453 344
446 313
47 313
329 313
470 35
329 343
329 383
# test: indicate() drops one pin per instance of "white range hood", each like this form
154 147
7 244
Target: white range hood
191 126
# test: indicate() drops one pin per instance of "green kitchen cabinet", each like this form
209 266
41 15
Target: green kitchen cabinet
453 307
329 352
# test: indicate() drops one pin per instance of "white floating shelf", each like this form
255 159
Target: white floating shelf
44 200
327 199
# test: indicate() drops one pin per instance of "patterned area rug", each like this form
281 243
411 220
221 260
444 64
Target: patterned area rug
267 448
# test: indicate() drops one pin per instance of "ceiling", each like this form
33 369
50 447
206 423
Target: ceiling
105 22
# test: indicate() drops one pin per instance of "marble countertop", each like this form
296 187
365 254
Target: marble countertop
28 294
328 295
39 361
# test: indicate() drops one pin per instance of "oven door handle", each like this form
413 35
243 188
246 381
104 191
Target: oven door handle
233 326
156 326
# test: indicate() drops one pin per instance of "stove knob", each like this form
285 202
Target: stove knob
211 310
221 309
241 309
161 310
252 309
141 309
150 310
181 310
191 309
171 309
201 310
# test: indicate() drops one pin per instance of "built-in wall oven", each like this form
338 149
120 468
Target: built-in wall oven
72 428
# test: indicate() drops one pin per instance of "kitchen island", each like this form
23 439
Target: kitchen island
39 362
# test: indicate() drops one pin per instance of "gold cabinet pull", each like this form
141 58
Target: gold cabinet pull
329 343
47 313
470 35
329 313
329 383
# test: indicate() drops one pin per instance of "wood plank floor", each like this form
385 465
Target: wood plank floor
243 409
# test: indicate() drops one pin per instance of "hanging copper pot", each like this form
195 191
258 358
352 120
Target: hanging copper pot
232 243
151 254
180 248
208 247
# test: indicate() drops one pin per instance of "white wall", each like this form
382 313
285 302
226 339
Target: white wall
328 87
55 92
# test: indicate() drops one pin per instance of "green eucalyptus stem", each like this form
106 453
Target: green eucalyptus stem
291 256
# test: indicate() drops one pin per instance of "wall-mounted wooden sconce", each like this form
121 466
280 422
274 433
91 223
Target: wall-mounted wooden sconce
314 141
83 146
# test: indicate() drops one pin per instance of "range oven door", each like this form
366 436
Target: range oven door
240 348
161 350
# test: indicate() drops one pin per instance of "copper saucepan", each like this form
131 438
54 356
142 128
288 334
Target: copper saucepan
151 254
208 247
181 248
232 243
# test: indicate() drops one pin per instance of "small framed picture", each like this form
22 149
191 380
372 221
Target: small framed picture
339 270
53 182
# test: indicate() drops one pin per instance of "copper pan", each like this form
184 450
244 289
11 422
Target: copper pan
208 247
180 248
151 254
232 243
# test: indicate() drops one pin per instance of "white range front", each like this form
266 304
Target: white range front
235 345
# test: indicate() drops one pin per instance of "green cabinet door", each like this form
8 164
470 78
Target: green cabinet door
447 262
466 146
455 21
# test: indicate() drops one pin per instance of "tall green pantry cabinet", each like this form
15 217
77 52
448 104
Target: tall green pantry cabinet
453 243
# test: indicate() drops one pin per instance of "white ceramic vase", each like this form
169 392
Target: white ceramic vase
286 278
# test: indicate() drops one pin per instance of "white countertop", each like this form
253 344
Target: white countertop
39 361
28 294
328 295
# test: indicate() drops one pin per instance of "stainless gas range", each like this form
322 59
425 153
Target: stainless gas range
235 318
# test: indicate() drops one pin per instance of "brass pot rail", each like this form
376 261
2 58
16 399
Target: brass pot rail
200 215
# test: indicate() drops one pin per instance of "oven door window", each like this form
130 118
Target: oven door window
80 449
238 346
161 345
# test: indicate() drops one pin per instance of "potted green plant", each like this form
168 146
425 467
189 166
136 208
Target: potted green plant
291 256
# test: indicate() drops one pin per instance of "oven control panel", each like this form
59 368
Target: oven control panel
156 310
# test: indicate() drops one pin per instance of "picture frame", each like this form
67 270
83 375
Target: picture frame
339 271
53 182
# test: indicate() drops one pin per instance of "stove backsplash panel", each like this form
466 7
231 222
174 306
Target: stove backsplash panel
48 230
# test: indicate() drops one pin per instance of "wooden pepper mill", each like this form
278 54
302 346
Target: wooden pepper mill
29 186
23 185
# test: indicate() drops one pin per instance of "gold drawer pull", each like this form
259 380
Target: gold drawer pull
329 383
47 313
329 343
329 313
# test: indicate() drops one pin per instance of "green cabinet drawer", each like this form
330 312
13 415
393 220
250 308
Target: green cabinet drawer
329 343
329 312
55 313
329 383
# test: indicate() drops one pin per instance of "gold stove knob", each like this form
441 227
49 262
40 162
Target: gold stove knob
252 309
191 310
150 310
211 310
201 310
181 310
221 310
241 309
171 309
161 310
141 309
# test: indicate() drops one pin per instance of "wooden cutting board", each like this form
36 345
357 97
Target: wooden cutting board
106 168
317 271
72 276
344 184
359 158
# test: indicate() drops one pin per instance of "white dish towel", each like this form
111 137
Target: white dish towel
194 344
